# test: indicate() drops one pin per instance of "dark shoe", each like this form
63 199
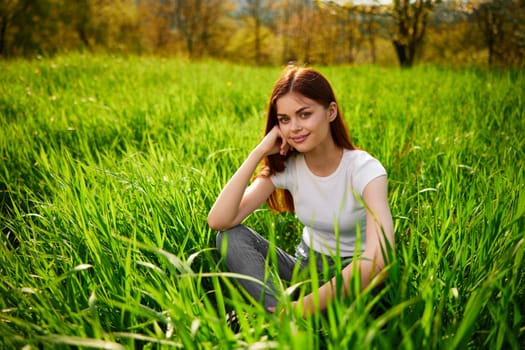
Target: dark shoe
232 320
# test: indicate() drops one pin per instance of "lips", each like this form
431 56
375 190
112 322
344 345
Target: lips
300 138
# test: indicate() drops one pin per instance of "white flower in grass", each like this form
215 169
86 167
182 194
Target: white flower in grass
195 326
29 290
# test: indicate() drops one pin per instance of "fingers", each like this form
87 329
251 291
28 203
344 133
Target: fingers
284 147
274 142
273 310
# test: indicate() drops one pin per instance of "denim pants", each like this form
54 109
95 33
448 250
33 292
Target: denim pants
247 253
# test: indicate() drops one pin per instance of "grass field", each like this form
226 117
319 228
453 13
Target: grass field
109 166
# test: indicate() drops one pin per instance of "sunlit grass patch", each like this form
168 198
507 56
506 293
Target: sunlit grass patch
110 165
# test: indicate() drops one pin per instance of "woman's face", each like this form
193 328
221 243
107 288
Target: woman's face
305 123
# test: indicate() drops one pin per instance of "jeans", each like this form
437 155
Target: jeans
247 253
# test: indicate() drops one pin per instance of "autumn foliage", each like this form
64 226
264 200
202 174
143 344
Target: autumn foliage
268 32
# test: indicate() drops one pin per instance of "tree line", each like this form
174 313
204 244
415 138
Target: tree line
263 32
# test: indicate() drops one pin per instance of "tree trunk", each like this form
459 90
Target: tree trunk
490 45
83 37
411 21
3 34
257 41
372 43
285 33
402 54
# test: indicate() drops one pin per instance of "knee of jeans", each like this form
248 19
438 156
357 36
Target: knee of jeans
218 240
223 237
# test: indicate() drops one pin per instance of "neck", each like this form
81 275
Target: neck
323 161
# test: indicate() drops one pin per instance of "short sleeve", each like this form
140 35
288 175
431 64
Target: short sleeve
285 178
367 169
279 179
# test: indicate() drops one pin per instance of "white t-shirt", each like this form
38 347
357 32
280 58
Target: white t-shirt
327 206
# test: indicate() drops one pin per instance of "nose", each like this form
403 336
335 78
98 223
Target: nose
296 124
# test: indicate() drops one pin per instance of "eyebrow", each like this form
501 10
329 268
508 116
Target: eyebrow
296 112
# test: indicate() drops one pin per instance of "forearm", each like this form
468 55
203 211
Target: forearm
318 301
225 210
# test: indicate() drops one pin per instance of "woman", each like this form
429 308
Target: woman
310 167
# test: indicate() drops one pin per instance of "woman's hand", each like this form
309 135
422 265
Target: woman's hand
273 143
295 307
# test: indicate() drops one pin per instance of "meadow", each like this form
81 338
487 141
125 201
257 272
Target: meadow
109 166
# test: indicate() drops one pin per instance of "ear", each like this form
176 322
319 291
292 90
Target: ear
332 111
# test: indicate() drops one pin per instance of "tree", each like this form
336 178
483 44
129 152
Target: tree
107 24
502 23
18 21
188 26
195 21
155 26
410 22
351 21
453 37
335 42
29 27
491 16
259 13
295 29
370 18
8 10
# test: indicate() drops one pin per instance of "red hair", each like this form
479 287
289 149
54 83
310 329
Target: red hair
313 85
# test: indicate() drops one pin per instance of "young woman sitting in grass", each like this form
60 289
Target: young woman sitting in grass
310 167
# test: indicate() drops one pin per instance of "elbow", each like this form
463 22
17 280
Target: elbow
214 220
377 263
217 224
221 221
213 223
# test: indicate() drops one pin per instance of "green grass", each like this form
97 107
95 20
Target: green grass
109 167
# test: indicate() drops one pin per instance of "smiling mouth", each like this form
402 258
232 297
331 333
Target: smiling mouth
299 139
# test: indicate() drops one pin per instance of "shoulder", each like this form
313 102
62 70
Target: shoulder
281 179
362 168
357 158
357 154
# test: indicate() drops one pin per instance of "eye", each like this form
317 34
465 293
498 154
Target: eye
283 120
305 114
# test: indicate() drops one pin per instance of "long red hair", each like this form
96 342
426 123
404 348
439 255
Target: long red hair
313 85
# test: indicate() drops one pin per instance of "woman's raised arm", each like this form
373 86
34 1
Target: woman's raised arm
236 201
